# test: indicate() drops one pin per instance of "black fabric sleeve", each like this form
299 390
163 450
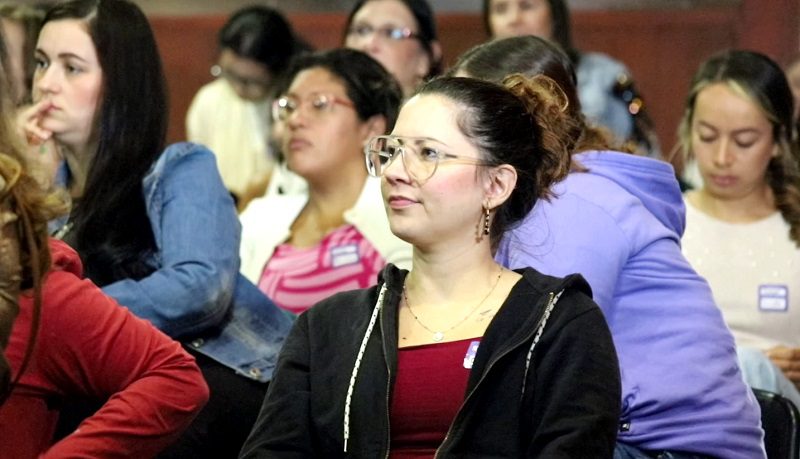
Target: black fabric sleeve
577 388
283 427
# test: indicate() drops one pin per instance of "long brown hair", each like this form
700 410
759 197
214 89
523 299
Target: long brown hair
23 197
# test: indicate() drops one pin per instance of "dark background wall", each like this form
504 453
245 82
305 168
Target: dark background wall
661 41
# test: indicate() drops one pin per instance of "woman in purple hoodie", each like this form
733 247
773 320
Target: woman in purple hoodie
618 219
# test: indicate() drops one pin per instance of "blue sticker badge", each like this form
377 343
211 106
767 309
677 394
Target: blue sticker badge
469 359
773 298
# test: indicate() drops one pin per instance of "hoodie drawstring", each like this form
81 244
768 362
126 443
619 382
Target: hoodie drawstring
351 385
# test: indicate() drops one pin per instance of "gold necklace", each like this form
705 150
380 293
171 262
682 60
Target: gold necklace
438 336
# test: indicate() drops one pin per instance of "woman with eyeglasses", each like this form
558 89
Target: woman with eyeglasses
231 114
302 248
617 219
155 227
401 35
458 357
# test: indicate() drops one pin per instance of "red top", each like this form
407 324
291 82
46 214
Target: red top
90 346
429 389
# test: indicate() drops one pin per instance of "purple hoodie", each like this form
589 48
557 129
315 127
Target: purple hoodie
620 224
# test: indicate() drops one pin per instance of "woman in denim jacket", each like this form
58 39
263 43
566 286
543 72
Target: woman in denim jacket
158 232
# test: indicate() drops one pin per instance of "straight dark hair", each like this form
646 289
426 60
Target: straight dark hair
111 230
369 86
262 34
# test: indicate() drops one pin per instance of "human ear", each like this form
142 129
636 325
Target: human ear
375 125
499 184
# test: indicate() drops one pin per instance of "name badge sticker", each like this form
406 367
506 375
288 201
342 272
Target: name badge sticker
343 255
773 298
469 358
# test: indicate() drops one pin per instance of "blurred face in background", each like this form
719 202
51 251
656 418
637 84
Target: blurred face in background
733 142
321 130
512 18
250 79
388 32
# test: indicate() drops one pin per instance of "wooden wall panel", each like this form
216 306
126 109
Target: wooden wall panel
662 48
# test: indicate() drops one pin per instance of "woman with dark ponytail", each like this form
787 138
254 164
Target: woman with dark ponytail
458 357
617 219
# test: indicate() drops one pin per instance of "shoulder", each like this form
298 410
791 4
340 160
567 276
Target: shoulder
182 156
276 210
599 63
356 305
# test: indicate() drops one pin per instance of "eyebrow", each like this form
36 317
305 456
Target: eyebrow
745 130
429 139
66 55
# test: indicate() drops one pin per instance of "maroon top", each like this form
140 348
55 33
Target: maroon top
429 389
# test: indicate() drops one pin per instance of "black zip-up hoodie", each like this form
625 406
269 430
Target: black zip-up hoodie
556 396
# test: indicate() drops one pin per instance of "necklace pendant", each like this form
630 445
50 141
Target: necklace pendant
438 336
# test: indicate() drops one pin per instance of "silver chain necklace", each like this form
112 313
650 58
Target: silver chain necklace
438 336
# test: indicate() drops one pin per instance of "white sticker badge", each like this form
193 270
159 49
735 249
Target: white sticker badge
773 298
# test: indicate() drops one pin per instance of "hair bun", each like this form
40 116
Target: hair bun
548 106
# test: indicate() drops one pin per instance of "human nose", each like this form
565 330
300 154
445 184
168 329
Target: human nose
297 117
396 170
723 157
47 80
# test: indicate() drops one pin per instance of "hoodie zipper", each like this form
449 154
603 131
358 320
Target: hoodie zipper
488 369
388 389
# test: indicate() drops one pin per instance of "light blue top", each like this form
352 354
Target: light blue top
619 224
196 292
596 76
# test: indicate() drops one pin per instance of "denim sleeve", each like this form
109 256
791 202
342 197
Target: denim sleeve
197 232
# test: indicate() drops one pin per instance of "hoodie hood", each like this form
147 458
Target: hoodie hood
652 181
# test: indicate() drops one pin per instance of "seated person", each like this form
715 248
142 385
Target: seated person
743 224
458 357
301 248
617 220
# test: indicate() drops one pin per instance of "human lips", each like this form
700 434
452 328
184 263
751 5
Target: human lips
297 143
723 181
397 201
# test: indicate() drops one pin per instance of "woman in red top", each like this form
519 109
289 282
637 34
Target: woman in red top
70 339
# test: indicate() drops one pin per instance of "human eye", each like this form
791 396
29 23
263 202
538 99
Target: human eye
73 69
395 33
705 134
499 7
745 141
321 102
429 154
41 63
361 30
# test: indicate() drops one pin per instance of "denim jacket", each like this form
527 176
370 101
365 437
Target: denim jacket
197 294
